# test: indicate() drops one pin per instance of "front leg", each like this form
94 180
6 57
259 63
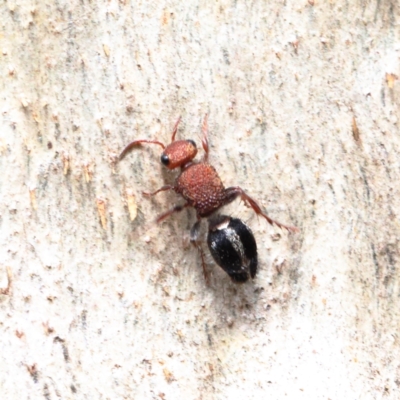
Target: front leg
233 192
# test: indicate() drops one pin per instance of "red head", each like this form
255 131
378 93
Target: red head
179 153
176 154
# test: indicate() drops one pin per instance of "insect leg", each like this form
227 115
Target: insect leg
128 148
233 192
162 189
194 236
171 211
204 140
175 129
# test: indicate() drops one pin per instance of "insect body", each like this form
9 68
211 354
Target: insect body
200 185
198 182
233 247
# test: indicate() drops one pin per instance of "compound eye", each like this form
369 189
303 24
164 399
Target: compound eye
192 142
165 159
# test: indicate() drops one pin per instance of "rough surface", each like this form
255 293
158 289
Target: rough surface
303 103
201 186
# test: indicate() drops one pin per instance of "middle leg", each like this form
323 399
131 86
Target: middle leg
162 189
171 211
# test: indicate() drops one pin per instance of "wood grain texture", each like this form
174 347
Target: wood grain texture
105 306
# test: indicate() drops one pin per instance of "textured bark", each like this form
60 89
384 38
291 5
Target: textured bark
303 103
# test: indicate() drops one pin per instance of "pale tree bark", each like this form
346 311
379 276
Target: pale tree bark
103 303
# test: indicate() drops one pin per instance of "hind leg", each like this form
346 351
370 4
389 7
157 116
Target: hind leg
194 236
